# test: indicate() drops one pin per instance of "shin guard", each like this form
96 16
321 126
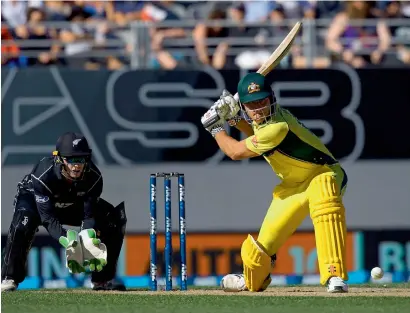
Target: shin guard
328 216
256 265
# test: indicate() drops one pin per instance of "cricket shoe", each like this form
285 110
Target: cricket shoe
336 285
236 282
8 285
111 285
233 283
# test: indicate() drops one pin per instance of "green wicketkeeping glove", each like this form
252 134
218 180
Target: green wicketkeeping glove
73 251
94 252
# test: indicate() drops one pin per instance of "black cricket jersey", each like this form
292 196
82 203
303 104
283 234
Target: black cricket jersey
53 193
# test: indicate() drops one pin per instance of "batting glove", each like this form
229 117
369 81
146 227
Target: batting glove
212 122
228 108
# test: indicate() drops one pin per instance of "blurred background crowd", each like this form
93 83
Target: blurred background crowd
186 34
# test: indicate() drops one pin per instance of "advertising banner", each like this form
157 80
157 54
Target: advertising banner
219 254
146 121
389 249
150 116
212 255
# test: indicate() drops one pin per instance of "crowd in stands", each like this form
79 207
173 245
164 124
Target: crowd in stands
225 34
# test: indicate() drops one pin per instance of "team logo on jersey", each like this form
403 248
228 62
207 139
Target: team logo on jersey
253 88
41 199
75 142
62 205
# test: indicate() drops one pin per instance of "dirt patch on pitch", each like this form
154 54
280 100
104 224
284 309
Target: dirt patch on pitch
290 292
309 291
315 291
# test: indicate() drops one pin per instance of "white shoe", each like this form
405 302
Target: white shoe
233 283
8 285
336 285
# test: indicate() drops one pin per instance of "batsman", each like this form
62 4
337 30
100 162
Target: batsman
311 182
65 189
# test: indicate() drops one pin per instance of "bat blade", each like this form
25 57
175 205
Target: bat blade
281 51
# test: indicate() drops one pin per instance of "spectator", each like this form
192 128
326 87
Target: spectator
400 10
35 32
99 10
280 29
202 32
256 11
78 40
57 10
9 50
320 9
281 9
125 11
250 55
163 11
14 12
351 41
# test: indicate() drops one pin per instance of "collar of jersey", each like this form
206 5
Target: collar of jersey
267 121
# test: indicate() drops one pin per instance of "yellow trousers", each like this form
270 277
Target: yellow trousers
321 197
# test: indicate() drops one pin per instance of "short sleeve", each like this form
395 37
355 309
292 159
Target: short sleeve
267 138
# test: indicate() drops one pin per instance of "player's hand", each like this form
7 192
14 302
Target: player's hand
227 106
212 121
73 251
94 251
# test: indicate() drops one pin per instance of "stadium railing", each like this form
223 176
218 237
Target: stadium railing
133 42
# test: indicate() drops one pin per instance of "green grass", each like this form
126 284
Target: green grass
67 301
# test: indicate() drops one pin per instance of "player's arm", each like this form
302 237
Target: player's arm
90 203
46 208
228 108
267 138
241 125
245 127
236 150
93 249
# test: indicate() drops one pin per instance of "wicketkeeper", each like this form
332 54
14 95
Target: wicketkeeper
312 182
65 189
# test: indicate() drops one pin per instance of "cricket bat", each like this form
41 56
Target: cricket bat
280 52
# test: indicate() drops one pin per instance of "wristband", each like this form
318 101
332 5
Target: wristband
216 130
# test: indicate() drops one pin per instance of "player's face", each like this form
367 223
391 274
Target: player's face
259 110
74 166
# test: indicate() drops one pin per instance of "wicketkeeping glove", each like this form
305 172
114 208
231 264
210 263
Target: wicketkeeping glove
94 252
73 252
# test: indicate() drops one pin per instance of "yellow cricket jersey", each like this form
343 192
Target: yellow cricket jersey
292 150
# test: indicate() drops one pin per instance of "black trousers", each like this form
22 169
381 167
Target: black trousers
110 226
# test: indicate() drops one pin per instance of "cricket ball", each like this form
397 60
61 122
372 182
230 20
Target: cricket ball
377 273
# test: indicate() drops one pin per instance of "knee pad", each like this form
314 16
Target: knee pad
120 211
256 265
328 216
25 221
114 216
117 219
